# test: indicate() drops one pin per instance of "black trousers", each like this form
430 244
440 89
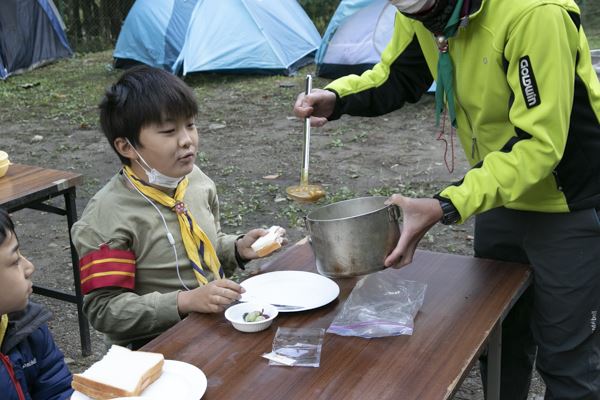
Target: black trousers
558 314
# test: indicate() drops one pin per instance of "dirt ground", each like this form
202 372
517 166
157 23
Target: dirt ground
247 132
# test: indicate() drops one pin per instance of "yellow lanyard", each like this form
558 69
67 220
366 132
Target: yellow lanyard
3 327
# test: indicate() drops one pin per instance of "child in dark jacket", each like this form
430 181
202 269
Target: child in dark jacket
31 366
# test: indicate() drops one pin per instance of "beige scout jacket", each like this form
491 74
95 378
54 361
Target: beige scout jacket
122 218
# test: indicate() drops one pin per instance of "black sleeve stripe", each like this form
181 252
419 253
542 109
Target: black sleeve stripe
576 18
459 182
521 135
511 98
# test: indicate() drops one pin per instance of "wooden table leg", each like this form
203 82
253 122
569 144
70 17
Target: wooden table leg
84 328
494 362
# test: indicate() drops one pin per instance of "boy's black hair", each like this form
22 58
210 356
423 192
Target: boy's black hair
6 225
142 96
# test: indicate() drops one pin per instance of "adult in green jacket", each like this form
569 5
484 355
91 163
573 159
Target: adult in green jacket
516 81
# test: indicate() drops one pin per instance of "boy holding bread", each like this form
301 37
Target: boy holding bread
150 243
31 366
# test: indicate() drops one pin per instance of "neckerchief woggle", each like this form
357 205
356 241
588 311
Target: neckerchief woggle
3 327
198 247
444 92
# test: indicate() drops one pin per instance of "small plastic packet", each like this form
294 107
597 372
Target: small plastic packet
381 304
297 347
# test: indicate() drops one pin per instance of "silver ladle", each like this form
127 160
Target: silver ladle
304 192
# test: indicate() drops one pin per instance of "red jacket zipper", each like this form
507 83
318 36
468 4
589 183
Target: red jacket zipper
11 373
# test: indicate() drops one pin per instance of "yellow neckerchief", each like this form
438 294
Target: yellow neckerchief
194 239
3 326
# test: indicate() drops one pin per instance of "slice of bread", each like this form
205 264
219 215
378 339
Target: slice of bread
120 373
270 242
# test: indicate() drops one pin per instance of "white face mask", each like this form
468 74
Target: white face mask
155 177
412 6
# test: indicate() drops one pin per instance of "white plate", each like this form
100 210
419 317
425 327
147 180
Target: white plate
305 290
179 380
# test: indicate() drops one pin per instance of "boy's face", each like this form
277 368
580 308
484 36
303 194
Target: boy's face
15 273
170 147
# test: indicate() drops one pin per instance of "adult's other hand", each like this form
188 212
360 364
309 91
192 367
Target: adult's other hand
418 216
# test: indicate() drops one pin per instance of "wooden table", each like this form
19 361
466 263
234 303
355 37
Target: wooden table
26 186
465 302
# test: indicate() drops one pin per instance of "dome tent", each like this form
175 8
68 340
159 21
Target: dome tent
237 36
31 34
596 60
153 33
255 36
355 37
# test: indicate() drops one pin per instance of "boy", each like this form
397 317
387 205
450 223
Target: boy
31 366
146 239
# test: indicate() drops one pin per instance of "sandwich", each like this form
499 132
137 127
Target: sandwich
270 242
120 373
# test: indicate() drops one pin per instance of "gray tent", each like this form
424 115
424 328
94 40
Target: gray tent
31 34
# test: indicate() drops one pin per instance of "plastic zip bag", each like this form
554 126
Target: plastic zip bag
381 304
300 347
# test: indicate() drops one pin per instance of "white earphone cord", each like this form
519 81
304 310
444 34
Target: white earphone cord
169 235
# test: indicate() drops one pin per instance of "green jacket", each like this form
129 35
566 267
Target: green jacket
527 102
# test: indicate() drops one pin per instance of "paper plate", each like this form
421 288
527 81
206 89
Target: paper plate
179 380
305 290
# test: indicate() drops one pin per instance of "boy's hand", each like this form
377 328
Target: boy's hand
244 244
210 298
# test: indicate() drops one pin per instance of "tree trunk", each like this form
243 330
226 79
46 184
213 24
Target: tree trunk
90 25
118 17
75 20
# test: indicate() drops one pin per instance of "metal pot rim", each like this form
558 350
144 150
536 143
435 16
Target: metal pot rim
383 207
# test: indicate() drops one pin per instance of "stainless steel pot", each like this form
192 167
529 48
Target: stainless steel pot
353 237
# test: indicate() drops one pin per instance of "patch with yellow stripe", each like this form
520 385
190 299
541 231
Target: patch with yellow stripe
107 267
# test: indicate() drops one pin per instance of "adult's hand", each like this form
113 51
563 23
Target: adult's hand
318 105
210 298
418 216
244 245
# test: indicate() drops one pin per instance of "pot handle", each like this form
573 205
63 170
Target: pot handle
306 225
394 213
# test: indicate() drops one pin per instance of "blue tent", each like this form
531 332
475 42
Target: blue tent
153 33
356 36
238 36
31 34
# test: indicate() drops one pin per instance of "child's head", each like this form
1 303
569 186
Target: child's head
15 270
141 97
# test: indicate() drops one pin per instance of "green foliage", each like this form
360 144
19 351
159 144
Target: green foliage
320 11
93 25
336 143
202 159
341 194
384 191
68 90
294 214
361 137
590 19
